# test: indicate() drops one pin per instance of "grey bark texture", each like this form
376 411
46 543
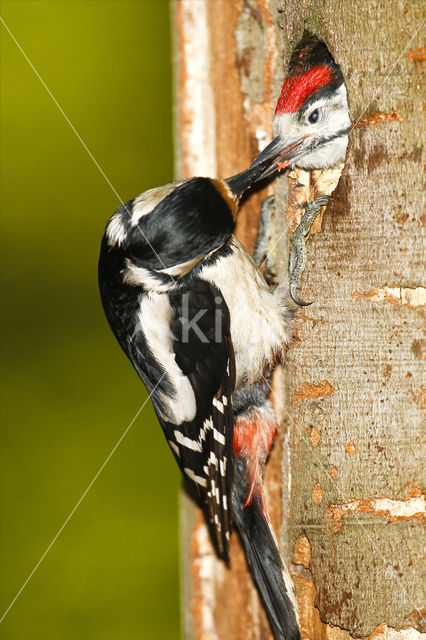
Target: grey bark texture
344 480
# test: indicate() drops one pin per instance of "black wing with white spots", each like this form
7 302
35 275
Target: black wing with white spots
203 447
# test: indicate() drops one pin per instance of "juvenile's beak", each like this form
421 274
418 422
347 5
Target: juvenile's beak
279 154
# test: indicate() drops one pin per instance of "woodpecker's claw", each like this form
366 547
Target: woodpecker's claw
295 297
298 247
321 201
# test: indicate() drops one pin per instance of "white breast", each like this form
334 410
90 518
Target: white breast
258 326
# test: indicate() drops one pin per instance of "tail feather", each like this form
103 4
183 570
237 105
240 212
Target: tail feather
266 566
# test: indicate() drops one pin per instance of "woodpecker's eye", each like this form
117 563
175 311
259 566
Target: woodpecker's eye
314 116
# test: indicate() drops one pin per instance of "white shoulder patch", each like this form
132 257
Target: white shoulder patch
155 315
142 205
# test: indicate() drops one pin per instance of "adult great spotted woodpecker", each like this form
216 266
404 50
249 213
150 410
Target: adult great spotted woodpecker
198 322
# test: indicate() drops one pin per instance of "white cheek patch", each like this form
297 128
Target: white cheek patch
327 155
335 112
144 204
288 126
333 125
147 201
334 117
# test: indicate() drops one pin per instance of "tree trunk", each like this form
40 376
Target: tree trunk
343 481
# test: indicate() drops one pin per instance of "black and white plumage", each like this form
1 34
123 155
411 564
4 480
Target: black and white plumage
202 329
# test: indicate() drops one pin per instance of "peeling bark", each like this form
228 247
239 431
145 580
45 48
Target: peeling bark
412 297
377 118
311 624
344 476
412 507
309 391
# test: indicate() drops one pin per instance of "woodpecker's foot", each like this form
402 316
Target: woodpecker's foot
262 254
298 246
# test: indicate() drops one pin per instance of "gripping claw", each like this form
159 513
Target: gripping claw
298 247
295 297
321 201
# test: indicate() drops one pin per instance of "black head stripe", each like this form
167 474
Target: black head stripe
310 52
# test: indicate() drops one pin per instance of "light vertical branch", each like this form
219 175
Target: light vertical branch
344 477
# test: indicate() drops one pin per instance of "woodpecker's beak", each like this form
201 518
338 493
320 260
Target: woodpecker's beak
277 155
242 181
280 153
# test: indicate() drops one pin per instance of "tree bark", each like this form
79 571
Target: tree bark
344 479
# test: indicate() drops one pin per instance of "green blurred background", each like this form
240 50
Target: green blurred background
68 392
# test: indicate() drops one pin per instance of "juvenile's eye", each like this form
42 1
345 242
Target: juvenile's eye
314 116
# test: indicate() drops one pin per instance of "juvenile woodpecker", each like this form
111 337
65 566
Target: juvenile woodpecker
312 125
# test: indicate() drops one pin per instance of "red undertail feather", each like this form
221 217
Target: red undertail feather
253 440
298 87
